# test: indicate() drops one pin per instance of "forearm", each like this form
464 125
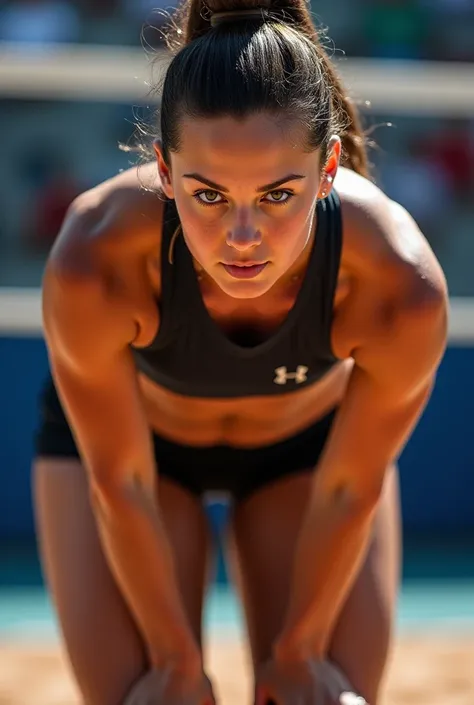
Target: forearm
335 532
139 554
330 550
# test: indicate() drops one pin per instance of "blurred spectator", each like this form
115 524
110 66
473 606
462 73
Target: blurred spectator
450 147
52 188
52 202
39 22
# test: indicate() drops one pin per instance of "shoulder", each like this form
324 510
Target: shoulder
384 246
99 277
120 217
391 285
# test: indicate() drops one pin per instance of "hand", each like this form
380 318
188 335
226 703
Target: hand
169 686
303 682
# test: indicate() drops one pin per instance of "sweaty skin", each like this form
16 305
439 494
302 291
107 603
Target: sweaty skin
101 295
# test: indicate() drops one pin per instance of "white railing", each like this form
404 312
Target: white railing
76 72
20 316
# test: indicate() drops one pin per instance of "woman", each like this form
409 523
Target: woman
270 326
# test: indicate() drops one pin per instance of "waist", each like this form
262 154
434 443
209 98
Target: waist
241 422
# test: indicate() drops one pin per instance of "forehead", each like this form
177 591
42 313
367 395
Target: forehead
259 146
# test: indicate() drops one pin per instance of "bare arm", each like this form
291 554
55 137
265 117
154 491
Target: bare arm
88 337
394 371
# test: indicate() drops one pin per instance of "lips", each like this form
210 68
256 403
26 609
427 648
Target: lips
244 270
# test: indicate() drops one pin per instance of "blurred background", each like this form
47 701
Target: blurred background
74 78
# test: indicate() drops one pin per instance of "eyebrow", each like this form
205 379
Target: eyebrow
268 187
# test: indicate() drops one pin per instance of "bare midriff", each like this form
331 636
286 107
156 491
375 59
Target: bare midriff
242 422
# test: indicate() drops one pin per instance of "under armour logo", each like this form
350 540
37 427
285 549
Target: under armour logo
282 375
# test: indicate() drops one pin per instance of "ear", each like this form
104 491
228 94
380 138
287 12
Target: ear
331 166
163 170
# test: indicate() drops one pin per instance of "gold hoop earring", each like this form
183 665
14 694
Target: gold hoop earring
172 242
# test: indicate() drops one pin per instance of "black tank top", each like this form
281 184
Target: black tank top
192 356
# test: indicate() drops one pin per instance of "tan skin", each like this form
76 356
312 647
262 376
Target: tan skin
329 592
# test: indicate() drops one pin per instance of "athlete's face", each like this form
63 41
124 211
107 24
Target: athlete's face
245 193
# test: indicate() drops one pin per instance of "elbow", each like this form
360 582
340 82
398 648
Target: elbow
426 296
365 502
106 496
426 313
114 490
356 501
111 504
67 272
431 302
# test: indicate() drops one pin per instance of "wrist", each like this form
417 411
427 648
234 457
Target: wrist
291 647
185 661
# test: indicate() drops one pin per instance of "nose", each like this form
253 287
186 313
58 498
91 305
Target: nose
243 237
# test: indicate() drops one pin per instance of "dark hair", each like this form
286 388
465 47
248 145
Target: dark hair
273 62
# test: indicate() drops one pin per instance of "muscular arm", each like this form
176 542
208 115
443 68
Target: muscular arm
394 371
87 337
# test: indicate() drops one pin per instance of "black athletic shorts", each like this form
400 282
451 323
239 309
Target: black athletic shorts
221 468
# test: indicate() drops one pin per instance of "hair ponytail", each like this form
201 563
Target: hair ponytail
273 61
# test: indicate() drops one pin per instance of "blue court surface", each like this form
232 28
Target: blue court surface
437 593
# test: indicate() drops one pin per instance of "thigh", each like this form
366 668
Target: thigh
264 535
103 644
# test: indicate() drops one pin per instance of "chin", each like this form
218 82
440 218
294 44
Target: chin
250 289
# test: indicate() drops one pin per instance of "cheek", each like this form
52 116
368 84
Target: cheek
201 234
289 237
